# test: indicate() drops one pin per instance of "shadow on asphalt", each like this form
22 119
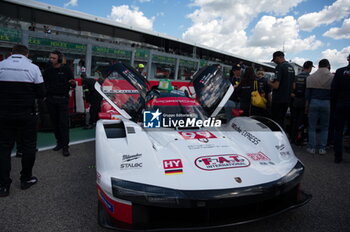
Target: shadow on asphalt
65 197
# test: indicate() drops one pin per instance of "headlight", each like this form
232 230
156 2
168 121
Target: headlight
147 194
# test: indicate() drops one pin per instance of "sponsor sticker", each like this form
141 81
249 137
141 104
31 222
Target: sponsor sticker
285 154
258 156
253 139
205 146
173 166
127 158
126 161
217 162
197 135
280 147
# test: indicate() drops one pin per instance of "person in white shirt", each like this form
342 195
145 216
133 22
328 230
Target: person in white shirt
21 83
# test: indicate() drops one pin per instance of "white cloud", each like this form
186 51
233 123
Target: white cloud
337 11
335 57
71 3
131 16
299 60
223 25
339 32
142 1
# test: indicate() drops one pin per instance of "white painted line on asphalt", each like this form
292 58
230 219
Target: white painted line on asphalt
50 147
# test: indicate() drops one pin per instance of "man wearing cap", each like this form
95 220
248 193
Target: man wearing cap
281 88
341 99
298 103
318 86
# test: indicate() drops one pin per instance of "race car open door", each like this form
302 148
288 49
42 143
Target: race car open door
125 90
212 89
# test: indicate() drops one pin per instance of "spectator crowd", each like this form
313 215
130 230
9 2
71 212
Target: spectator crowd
313 108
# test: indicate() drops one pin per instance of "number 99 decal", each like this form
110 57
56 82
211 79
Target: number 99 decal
197 135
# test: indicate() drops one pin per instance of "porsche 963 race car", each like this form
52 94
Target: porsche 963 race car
166 161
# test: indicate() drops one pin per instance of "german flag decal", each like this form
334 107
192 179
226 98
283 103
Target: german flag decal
172 166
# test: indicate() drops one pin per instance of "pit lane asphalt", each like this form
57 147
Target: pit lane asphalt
65 197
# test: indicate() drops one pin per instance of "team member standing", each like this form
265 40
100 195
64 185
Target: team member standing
58 80
341 98
298 103
93 98
20 83
282 88
318 94
233 102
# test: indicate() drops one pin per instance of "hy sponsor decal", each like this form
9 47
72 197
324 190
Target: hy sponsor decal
197 135
216 162
126 161
173 166
253 139
155 119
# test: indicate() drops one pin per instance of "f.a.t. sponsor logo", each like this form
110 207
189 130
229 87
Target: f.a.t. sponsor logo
216 162
173 166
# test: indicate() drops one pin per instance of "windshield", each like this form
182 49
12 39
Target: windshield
212 89
126 89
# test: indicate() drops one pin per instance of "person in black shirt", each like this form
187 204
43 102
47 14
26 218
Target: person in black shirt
340 97
21 83
59 79
233 102
298 112
265 89
282 88
93 98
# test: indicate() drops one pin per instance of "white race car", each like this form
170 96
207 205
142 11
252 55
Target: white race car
165 161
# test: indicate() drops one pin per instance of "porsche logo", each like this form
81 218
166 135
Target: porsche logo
238 180
203 140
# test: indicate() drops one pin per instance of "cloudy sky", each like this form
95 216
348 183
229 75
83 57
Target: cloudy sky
304 29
